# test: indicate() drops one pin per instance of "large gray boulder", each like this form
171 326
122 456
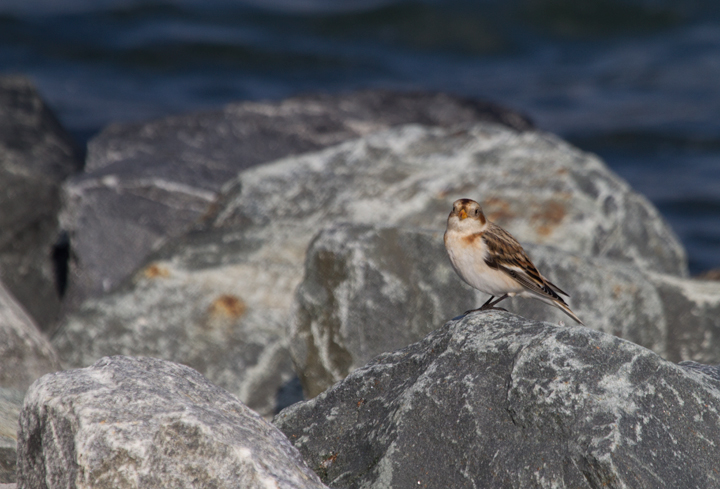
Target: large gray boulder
148 181
373 289
534 184
10 404
495 400
36 155
145 423
692 309
25 353
219 299
196 303
368 290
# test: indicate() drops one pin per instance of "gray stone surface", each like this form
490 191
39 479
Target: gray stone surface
535 185
25 353
219 299
713 274
710 370
147 181
214 316
373 289
369 290
10 404
36 154
693 311
494 400
145 423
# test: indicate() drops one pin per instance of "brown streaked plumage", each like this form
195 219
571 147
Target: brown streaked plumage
489 259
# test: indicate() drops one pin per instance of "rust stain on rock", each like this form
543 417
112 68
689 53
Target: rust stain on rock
548 217
156 271
617 291
497 209
623 290
227 306
328 461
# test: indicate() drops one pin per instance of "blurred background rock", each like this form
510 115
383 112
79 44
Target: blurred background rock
636 81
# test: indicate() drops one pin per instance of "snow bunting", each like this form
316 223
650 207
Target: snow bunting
490 260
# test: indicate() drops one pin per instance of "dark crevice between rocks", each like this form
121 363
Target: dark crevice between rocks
61 262
288 394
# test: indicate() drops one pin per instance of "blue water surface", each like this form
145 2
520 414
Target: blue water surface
636 81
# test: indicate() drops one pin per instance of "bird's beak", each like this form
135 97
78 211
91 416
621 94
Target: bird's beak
463 214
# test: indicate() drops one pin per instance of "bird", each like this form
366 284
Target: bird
489 259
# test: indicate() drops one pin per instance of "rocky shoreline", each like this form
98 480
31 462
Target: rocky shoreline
201 269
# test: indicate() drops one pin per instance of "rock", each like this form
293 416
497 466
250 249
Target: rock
540 188
692 308
219 299
191 304
10 404
25 353
142 422
145 182
494 400
710 370
373 289
713 274
36 155
369 290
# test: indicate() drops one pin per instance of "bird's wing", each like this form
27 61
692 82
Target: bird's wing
507 255
555 287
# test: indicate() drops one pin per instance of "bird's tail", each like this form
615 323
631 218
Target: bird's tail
550 296
560 304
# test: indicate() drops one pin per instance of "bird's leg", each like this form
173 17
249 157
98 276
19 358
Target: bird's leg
487 303
481 308
490 305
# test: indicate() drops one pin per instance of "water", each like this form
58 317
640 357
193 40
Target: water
636 81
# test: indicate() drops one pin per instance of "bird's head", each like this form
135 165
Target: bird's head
466 213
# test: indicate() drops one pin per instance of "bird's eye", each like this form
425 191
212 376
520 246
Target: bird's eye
477 211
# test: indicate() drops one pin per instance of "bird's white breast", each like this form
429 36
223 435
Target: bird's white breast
468 260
